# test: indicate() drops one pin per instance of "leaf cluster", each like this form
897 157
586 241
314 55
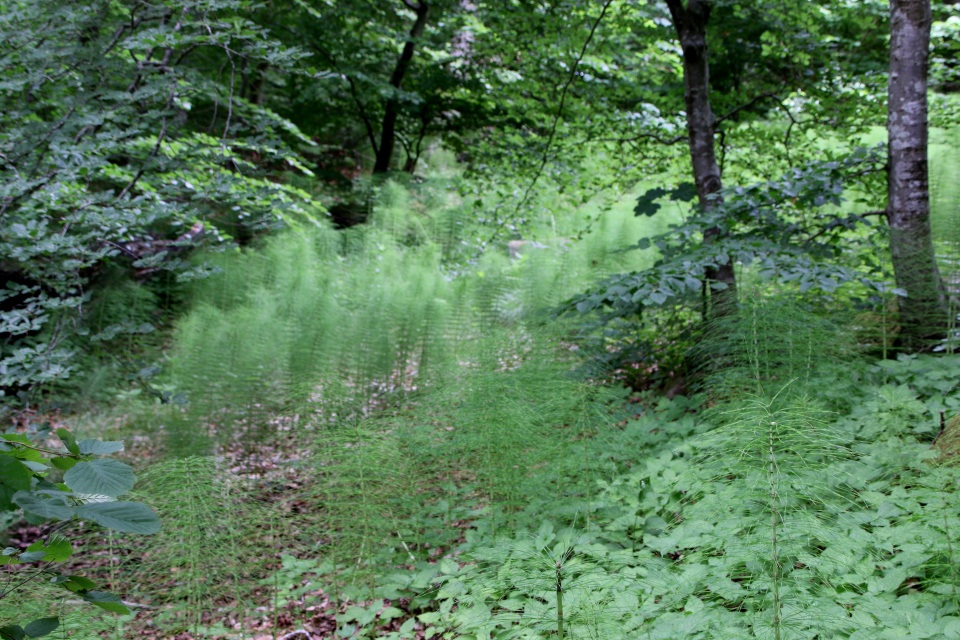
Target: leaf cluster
88 491
787 228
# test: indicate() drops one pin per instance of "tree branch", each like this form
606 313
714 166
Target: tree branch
830 228
363 113
642 136
746 105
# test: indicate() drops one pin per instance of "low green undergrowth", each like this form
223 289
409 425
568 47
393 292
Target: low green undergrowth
510 498
777 520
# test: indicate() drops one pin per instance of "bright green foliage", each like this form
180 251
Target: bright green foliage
781 521
788 229
88 491
320 315
399 418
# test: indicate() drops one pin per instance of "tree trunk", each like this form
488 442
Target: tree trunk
691 26
923 313
389 127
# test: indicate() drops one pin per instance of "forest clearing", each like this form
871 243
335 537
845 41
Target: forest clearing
572 319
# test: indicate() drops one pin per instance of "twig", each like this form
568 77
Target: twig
363 114
641 136
829 228
42 450
745 105
412 559
8 590
135 605
156 149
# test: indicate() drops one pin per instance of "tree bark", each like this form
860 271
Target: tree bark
923 313
388 129
690 23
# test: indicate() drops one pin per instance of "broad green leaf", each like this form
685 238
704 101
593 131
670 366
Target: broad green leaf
658 297
352 613
57 549
951 626
429 617
99 447
106 601
449 566
14 474
131 517
103 477
41 627
36 467
52 508
11 632
68 440
6 498
63 464
390 613
76 584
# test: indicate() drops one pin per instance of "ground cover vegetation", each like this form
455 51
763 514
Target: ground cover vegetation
433 319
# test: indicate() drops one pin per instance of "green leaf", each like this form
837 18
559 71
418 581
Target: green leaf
6 498
658 297
64 464
52 508
352 613
655 525
35 467
41 627
106 601
57 549
390 613
131 517
12 632
99 447
75 584
68 440
14 474
102 477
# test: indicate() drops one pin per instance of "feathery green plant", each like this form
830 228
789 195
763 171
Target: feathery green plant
375 309
766 466
363 488
945 223
774 340
211 549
